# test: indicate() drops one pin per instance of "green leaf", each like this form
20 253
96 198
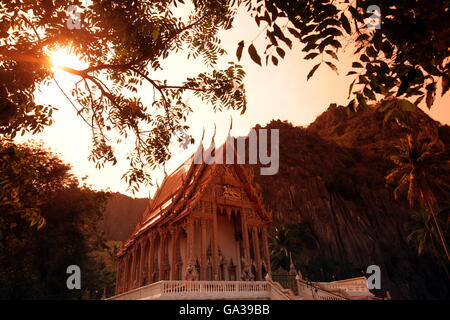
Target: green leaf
346 24
431 91
445 84
362 37
419 100
355 13
311 55
275 60
352 105
357 65
351 88
295 33
309 47
332 53
278 33
362 79
332 32
281 52
254 54
332 66
361 100
371 52
311 38
239 50
405 105
311 73
369 93
364 58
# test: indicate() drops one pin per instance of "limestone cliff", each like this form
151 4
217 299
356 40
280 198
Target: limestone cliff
121 215
332 177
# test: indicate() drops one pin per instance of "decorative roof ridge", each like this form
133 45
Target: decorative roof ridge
252 193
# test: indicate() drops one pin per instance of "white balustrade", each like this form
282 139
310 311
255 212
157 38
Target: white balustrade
171 290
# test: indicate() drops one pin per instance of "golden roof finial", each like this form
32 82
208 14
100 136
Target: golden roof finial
165 172
198 154
214 135
156 182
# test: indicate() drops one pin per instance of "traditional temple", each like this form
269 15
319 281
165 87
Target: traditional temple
205 236
206 222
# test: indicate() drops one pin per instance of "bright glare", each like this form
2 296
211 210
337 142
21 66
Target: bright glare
65 58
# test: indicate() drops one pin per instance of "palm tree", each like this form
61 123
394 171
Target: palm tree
289 243
420 166
280 247
423 234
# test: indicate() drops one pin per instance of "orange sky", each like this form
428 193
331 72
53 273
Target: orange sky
273 93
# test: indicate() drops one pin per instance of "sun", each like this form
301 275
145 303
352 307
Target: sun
64 57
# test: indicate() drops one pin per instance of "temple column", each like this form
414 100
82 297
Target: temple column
203 248
255 238
123 274
133 269
245 238
215 240
189 227
137 253
151 257
266 250
173 254
141 264
127 270
162 245
190 241
117 276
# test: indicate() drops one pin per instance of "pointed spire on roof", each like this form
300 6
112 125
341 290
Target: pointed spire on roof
198 155
228 151
231 125
157 184
165 172
213 141
210 153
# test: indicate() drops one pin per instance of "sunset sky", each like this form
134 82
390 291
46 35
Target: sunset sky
280 92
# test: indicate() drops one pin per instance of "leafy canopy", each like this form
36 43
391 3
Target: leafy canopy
124 43
33 261
406 57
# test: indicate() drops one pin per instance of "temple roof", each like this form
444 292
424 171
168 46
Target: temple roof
181 189
170 184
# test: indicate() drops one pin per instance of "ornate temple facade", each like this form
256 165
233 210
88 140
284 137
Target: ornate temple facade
205 223
205 236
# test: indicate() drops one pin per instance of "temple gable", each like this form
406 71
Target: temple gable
206 222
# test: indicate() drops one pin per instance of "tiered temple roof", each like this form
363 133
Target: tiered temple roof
180 191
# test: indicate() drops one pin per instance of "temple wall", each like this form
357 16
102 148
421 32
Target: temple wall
218 239
227 243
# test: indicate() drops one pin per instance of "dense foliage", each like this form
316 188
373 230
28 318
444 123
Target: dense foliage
401 48
33 261
421 165
291 243
424 236
124 43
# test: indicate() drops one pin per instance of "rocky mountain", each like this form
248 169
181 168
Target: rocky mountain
331 177
121 216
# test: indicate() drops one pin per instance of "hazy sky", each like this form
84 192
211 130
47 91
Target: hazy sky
280 92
